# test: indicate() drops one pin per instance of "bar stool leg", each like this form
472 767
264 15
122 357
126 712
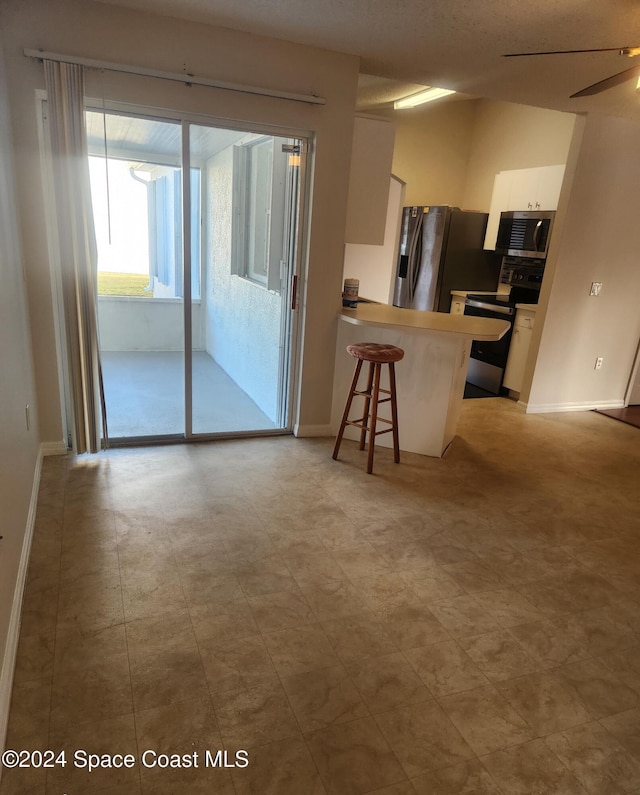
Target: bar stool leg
367 407
394 412
374 416
345 416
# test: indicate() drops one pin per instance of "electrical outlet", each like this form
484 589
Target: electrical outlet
595 288
598 363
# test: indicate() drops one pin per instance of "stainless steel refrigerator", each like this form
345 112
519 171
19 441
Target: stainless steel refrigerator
441 249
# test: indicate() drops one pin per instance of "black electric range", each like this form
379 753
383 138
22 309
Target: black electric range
488 360
501 304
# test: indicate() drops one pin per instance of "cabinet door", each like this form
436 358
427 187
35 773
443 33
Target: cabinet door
518 351
549 186
499 202
524 189
371 158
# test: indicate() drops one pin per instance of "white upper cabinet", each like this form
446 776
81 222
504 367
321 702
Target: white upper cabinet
371 159
522 189
549 186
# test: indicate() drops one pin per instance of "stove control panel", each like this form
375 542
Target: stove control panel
520 272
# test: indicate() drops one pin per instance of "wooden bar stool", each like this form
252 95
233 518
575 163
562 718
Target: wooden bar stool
377 355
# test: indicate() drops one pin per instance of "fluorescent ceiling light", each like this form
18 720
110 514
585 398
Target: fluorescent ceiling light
421 97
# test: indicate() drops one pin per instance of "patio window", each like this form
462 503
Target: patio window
259 172
165 232
136 187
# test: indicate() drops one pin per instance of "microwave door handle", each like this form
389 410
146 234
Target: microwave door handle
536 235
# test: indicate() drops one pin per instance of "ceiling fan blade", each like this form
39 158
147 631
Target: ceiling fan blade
567 52
608 82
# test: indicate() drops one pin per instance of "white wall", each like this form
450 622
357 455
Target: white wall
18 446
108 32
597 239
450 152
432 148
242 318
634 395
508 136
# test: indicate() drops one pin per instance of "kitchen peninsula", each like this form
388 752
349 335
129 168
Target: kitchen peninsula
430 378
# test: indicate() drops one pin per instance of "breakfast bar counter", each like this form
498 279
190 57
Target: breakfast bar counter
430 378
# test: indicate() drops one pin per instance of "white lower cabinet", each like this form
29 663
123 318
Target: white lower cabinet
519 349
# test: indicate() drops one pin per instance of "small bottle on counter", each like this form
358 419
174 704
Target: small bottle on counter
350 293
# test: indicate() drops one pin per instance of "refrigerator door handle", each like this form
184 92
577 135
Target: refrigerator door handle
412 274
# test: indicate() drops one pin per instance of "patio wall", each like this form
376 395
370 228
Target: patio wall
146 324
242 318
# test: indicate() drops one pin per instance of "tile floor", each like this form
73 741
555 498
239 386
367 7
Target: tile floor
464 625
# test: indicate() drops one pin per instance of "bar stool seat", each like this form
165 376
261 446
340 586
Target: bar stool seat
376 354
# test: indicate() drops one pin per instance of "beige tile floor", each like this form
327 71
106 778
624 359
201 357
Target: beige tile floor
464 625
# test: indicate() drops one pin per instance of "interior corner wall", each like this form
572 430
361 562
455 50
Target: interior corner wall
509 136
449 153
598 240
432 148
112 33
20 445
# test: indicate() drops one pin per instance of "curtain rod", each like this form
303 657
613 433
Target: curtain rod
40 55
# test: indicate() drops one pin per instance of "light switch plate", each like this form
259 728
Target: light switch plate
595 288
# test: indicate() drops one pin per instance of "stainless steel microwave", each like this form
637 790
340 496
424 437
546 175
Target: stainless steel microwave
524 233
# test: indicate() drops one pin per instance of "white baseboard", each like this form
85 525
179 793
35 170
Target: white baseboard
13 634
53 448
312 430
547 408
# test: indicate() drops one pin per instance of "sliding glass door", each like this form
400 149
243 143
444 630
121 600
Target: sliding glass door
202 350
136 176
240 317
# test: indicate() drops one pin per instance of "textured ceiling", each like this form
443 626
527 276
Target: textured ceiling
454 44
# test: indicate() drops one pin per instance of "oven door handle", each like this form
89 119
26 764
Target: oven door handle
500 310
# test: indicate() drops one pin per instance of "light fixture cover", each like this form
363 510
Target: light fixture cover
421 97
